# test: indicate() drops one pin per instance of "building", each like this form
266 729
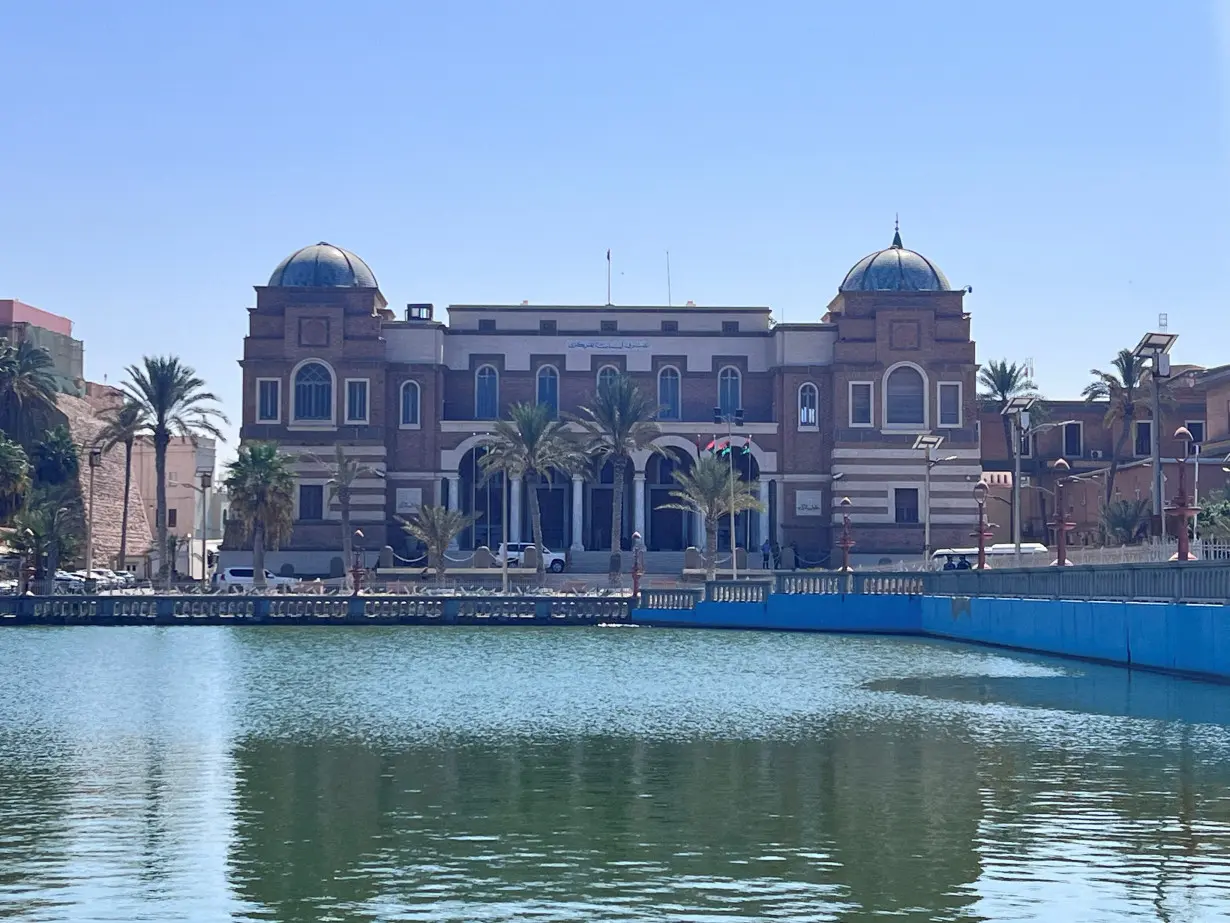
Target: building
186 460
23 323
841 399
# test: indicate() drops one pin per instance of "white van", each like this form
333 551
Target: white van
939 558
244 577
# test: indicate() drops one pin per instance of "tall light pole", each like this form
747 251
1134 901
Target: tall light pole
1156 348
95 459
1017 410
984 532
207 481
1062 526
929 442
1184 509
731 420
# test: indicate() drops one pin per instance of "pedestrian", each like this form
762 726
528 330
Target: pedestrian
766 554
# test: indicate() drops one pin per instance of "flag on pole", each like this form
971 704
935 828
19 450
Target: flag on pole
608 254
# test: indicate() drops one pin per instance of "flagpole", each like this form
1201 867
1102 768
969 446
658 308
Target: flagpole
608 275
668 278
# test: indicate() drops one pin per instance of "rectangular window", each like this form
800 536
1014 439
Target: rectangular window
311 501
172 478
268 400
1143 441
486 324
172 517
905 505
860 403
609 326
950 403
1196 428
730 326
546 326
1073 440
670 326
356 400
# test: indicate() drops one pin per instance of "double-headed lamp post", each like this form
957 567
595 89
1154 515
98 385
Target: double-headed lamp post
1184 509
928 443
1017 411
1061 523
984 532
1156 348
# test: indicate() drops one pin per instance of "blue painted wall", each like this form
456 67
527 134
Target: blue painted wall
1181 638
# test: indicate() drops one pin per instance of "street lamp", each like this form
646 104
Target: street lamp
983 533
1184 509
95 459
1017 411
207 481
357 569
1156 348
927 443
1062 526
846 542
735 418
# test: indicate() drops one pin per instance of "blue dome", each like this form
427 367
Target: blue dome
322 265
895 270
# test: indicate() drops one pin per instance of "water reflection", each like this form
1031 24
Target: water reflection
457 775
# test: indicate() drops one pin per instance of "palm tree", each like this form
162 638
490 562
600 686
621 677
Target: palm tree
1122 389
49 530
27 390
712 490
342 475
621 420
14 477
529 444
262 490
56 459
1001 381
125 421
173 402
1125 521
436 527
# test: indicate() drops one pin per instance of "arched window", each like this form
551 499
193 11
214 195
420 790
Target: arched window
410 403
548 387
486 393
809 399
730 391
905 401
607 376
313 392
668 394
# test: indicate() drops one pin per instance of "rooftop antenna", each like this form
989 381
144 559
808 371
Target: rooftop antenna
1163 321
1029 367
668 278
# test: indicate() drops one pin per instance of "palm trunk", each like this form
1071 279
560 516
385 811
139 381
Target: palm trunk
436 559
343 498
711 531
1116 455
161 439
535 519
258 555
619 465
53 562
123 564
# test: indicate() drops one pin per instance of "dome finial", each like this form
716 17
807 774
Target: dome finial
897 244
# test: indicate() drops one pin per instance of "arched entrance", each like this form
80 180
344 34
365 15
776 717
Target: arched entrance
601 495
669 530
747 523
553 493
484 498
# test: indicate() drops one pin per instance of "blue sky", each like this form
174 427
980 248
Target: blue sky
1066 160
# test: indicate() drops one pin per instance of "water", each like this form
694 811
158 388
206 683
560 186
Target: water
598 775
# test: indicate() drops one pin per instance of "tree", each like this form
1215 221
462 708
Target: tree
1001 381
27 391
125 421
1213 520
262 490
707 489
436 527
56 458
529 444
1125 521
173 402
343 472
14 477
49 530
1122 389
620 420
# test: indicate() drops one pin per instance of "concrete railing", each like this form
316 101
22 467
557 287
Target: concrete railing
737 591
1195 581
669 599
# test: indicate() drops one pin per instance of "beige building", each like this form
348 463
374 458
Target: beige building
186 461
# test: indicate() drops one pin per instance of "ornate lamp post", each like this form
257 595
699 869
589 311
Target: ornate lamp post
356 571
984 532
1061 524
1184 508
845 543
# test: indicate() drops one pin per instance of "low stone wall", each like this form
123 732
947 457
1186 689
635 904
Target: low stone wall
792 612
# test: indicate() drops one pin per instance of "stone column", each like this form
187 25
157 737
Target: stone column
578 514
764 513
638 500
514 510
454 500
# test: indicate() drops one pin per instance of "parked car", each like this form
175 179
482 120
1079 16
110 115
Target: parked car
554 561
243 577
69 584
